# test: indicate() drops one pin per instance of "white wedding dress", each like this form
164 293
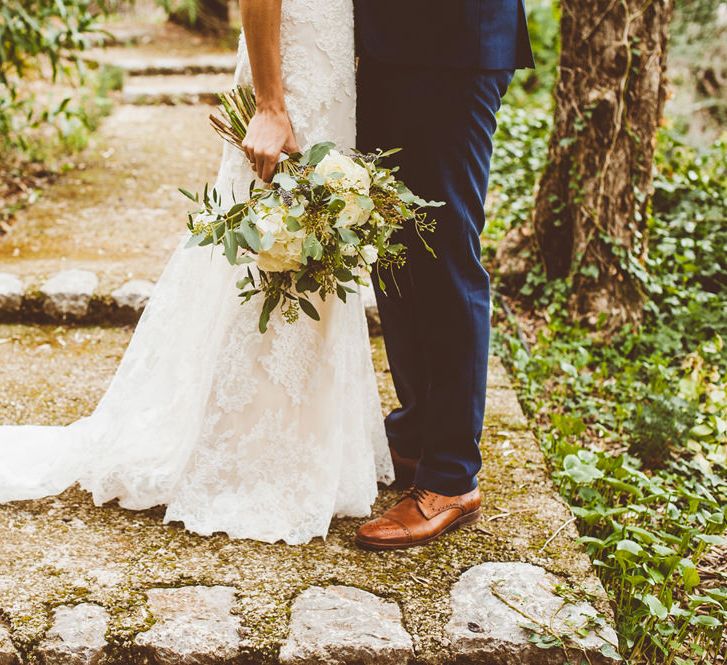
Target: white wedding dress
259 436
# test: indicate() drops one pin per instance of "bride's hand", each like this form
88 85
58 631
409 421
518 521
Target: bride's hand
268 135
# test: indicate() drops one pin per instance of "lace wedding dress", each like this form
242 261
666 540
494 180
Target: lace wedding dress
259 436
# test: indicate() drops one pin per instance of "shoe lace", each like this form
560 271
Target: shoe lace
416 493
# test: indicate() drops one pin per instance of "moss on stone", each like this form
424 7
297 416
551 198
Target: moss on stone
64 550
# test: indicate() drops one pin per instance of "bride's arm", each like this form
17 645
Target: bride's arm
270 131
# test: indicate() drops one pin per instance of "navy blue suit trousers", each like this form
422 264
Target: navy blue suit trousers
435 312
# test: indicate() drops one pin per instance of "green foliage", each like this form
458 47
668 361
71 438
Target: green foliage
35 34
544 28
521 147
31 28
658 425
695 25
688 241
635 425
697 56
208 16
646 530
186 11
48 134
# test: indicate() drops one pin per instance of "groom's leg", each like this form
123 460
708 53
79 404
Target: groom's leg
409 373
404 348
444 120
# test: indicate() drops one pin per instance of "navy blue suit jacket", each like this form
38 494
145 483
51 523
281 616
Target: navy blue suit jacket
487 34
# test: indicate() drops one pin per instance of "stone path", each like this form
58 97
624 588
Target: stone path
321 602
120 216
81 584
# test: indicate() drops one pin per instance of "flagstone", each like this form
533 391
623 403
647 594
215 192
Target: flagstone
499 607
340 624
77 636
11 293
68 293
193 625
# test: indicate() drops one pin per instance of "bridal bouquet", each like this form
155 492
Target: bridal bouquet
322 226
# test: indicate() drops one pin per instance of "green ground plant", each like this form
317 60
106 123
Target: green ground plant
634 425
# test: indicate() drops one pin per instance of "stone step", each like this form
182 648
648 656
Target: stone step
344 624
141 64
79 582
123 35
119 215
73 296
175 89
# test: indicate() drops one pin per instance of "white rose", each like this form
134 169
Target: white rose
352 214
369 254
271 222
285 253
340 171
281 257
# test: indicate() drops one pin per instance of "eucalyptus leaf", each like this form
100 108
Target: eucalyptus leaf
348 236
229 242
189 195
285 181
296 210
267 242
316 153
251 235
309 309
312 247
195 239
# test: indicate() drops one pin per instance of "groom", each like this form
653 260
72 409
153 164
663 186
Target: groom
431 77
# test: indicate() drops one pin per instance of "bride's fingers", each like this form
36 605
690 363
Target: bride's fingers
291 146
248 151
269 165
259 164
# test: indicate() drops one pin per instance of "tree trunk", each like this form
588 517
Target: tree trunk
591 207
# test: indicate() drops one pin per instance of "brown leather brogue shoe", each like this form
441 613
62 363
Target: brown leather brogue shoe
418 518
404 469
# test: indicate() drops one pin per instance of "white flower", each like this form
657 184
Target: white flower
287 248
281 257
340 171
352 214
272 222
369 254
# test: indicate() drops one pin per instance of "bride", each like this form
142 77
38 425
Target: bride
259 436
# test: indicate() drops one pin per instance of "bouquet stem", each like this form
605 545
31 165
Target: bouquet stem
239 106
